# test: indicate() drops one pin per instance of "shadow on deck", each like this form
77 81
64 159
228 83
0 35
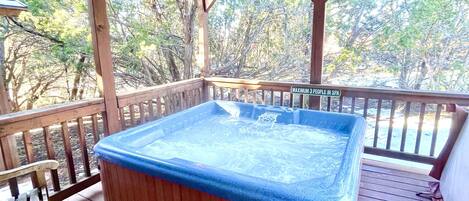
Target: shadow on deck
378 182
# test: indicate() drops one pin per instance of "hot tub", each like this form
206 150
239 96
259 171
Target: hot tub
235 151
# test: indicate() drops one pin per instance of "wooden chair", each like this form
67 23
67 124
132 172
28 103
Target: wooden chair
37 171
459 119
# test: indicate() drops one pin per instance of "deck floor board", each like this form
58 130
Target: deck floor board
377 184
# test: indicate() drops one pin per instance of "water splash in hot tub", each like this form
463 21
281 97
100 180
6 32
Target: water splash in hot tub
267 118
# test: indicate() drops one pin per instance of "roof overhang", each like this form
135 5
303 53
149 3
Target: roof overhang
11 7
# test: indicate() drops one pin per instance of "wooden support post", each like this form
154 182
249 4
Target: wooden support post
9 157
203 59
319 19
103 61
4 102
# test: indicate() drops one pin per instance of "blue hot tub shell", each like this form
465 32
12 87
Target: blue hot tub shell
123 149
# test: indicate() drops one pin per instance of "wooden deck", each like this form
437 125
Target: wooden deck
377 183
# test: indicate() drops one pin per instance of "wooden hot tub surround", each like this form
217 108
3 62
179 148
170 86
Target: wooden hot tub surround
122 184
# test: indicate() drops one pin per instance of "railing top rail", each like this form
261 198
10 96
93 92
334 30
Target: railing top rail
366 92
172 85
146 94
48 115
47 110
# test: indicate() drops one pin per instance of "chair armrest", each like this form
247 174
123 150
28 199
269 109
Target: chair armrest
37 167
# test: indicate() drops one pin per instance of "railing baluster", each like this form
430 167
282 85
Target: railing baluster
84 149
352 109
159 111
232 94
28 149
106 131
365 108
51 156
254 97
291 100
191 97
94 126
281 98
378 116
419 131
194 97
122 118
302 101
151 111
182 102
329 103
141 111
199 97
435 129
238 97
341 103
391 122
246 95
68 152
222 93
263 97
170 103
272 97
406 123
132 115
214 92
28 146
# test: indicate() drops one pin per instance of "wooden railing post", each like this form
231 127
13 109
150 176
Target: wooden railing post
317 44
9 157
103 61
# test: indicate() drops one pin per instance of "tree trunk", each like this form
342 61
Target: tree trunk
173 69
187 15
421 75
76 84
245 47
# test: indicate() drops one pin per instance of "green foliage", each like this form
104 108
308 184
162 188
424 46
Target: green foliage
413 43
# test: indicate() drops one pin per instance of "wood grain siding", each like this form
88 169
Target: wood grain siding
122 184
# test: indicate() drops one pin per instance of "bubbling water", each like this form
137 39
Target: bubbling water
258 148
269 118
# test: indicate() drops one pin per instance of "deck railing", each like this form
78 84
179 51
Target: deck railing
155 102
388 112
67 132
